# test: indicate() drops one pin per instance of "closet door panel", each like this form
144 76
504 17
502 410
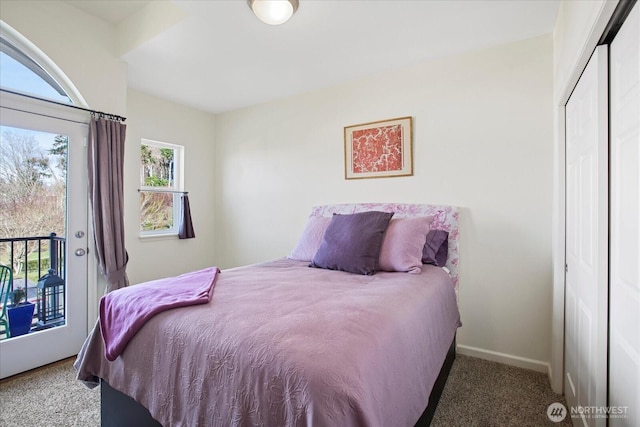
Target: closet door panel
587 240
624 317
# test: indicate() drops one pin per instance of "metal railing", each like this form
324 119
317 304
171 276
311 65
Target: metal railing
31 258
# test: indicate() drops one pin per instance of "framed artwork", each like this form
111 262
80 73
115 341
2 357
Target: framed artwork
378 149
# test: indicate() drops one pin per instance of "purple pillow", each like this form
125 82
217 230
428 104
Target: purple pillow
403 244
352 242
436 248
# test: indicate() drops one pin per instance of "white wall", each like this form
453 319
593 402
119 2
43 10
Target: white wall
482 140
160 120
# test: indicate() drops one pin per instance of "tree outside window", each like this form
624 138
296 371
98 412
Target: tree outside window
160 166
33 174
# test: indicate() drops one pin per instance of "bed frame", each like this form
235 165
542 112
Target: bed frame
119 410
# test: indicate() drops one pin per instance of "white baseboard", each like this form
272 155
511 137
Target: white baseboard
507 359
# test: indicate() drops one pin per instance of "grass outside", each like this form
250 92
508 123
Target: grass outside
31 267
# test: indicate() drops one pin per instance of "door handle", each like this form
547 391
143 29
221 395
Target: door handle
80 252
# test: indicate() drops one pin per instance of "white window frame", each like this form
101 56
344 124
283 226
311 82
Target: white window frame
177 189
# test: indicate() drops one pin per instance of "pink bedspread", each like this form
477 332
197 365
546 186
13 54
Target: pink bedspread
282 344
124 311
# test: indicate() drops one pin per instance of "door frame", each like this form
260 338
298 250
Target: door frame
558 238
95 283
25 106
606 23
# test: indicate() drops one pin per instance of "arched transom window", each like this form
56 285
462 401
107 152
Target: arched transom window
21 73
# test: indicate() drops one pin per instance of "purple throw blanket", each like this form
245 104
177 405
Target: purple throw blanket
124 311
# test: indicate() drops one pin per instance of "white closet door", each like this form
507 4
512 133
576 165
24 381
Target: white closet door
587 240
624 318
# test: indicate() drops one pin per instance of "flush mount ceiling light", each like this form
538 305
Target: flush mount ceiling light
273 12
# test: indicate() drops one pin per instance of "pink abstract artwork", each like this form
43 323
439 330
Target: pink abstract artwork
378 149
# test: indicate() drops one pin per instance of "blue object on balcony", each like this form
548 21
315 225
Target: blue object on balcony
20 318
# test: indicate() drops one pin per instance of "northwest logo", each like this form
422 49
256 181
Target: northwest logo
557 412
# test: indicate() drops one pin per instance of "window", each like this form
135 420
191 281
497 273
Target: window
161 172
23 74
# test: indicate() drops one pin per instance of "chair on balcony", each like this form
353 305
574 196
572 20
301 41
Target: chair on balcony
6 277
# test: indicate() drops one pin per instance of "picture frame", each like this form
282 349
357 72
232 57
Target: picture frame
379 149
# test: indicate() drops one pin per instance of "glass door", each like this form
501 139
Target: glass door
43 236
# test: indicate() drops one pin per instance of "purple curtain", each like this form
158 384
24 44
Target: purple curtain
106 195
186 226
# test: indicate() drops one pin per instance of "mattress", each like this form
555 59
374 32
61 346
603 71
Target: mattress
283 344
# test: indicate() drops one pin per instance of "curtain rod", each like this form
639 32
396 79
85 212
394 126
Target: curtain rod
158 190
62 104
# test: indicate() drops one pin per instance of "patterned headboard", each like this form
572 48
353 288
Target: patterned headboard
444 218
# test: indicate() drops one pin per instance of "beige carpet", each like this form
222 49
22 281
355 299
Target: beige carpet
483 394
478 393
48 396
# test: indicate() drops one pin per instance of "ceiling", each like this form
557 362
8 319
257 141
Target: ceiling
217 56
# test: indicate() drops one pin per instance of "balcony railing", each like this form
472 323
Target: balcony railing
31 258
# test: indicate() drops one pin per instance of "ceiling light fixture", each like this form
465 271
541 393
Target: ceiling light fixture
273 12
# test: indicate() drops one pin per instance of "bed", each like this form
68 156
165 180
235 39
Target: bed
283 344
